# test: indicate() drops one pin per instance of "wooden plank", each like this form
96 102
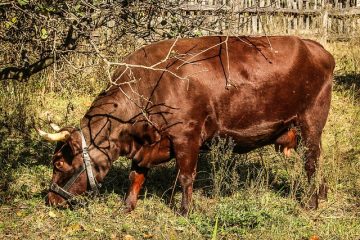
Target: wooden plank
353 26
262 3
295 24
260 26
307 23
345 12
254 21
325 20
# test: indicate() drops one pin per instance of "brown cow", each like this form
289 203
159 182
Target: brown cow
185 92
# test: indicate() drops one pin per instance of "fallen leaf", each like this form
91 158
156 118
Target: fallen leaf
113 236
73 228
19 213
180 229
148 236
99 230
52 214
314 237
128 237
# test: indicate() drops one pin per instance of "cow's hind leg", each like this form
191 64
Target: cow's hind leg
312 124
312 154
186 154
137 178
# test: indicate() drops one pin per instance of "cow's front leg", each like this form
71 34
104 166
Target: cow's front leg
186 153
137 178
186 180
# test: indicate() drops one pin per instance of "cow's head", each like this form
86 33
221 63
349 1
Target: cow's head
70 176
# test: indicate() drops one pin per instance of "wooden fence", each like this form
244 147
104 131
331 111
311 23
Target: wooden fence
334 19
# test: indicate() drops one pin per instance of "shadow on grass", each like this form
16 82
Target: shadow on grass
24 150
161 180
18 150
349 82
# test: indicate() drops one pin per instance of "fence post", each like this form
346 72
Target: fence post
325 18
254 24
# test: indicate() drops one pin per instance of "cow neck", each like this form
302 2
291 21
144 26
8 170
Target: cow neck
126 143
101 159
87 164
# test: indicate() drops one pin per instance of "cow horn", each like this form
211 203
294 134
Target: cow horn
53 137
54 126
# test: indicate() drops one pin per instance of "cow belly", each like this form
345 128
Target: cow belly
257 135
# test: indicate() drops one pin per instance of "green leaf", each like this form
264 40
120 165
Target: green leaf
52 214
77 7
50 9
23 2
215 230
44 34
8 25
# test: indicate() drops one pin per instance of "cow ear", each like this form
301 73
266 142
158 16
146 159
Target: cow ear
59 164
74 143
152 132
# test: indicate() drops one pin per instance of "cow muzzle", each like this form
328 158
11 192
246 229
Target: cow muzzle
55 200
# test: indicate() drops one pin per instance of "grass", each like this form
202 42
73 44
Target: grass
262 204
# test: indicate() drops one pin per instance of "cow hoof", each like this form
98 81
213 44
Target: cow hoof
127 210
184 212
129 207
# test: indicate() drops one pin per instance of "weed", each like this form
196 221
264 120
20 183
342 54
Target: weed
224 164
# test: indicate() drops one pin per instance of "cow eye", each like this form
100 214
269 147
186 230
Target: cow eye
59 165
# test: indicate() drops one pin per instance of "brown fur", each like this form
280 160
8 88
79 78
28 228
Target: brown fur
246 89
